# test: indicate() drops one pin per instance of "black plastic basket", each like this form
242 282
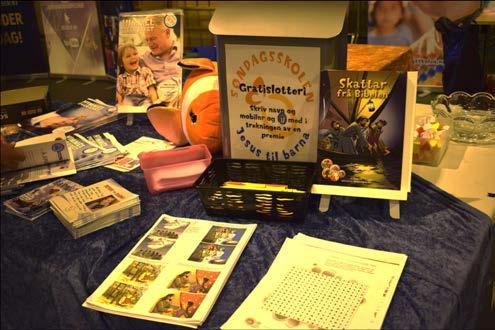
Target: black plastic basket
268 205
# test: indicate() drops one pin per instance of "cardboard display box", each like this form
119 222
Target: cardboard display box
270 55
23 103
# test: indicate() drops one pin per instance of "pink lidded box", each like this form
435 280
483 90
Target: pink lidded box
174 169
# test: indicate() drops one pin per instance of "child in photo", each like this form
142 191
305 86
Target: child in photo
135 84
387 19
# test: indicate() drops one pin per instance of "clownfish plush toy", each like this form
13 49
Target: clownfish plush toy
197 120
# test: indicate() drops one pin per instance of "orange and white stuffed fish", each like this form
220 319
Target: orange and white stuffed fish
198 119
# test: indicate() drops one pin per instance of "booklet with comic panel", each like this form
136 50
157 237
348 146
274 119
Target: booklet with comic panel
150 46
365 134
318 284
175 273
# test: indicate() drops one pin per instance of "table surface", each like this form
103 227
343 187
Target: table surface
46 275
466 171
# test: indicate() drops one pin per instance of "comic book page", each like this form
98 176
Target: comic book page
175 273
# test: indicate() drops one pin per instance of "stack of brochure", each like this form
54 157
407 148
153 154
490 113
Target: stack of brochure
79 117
46 157
316 284
34 203
175 273
94 151
94 207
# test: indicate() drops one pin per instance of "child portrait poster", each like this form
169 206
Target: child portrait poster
412 23
364 146
150 46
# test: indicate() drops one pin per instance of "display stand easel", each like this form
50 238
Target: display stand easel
89 82
393 205
130 119
64 78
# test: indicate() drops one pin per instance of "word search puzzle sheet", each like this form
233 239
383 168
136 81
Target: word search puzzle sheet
338 287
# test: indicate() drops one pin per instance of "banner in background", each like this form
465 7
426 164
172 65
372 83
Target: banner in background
412 23
20 39
110 11
73 40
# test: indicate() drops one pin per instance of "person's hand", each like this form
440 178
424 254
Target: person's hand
10 158
59 121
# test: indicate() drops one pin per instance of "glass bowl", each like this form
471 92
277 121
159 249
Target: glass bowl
431 138
472 117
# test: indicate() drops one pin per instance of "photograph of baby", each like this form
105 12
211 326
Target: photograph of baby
178 304
101 203
223 235
153 247
140 273
194 281
122 295
212 253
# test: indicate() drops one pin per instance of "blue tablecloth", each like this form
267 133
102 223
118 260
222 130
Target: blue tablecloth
46 274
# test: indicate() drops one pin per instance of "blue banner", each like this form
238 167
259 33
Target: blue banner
110 10
22 52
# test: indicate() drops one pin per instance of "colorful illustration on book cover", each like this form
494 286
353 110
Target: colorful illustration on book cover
212 253
139 273
101 203
361 130
224 235
150 47
194 281
153 247
122 295
170 228
179 304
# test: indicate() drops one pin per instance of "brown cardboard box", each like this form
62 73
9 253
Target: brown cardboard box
379 58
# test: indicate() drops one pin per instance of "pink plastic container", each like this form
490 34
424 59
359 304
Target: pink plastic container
174 169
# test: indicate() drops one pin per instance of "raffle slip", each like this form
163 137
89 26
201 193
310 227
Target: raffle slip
273 101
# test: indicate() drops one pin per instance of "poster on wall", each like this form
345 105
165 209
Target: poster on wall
73 40
20 39
150 46
365 134
110 11
272 102
412 23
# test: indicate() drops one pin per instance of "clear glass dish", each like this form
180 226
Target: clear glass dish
472 117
